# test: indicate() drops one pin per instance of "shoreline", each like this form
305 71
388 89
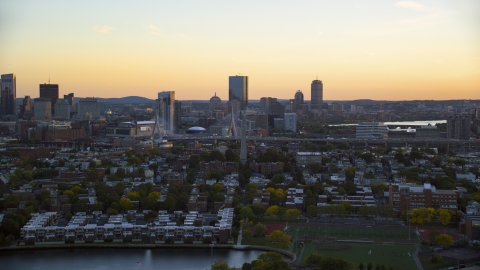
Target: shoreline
285 253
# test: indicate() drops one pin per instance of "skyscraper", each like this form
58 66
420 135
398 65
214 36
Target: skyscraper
166 110
42 109
49 91
317 94
238 90
71 99
8 94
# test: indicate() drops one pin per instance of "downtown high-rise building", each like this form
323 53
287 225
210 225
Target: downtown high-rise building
8 94
50 91
238 90
166 110
317 95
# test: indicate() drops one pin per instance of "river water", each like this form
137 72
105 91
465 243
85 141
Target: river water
122 259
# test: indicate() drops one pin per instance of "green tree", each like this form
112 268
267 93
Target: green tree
220 264
278 178
313 259
334 264
246 213
260 229
257 209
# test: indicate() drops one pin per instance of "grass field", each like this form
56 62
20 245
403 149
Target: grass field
261 242
394 255
357 232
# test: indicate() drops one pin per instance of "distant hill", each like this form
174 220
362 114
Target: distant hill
122 100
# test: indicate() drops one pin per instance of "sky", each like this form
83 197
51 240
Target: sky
370 49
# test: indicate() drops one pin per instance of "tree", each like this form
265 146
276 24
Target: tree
334 264
444 240
220 264
350 173
246 213
421 215
292 213
71 167
444 216
98 206
150 216
257 209
260 229
279 237
272 211
154 195
11 201
278 178
125 204
313 259
133 196
268 261
315 167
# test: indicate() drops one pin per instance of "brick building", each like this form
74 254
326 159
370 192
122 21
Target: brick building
267 168
405 196
224 167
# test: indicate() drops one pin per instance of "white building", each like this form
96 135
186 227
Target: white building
372 130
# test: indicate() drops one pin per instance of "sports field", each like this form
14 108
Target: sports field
398 256
356 232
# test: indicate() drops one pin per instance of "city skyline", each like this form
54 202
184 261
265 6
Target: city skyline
393 50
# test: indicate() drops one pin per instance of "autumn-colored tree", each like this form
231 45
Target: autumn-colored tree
133 196
154 195
279 237
444 216
272 211
421 215
125 204
444 240
292 213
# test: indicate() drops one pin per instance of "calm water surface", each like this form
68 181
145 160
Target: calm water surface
136 259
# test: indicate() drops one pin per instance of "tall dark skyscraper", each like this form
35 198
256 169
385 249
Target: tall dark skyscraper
8 94
317 94
71 99
50 91
238 90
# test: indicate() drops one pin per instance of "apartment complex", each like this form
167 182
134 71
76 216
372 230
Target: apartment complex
80 229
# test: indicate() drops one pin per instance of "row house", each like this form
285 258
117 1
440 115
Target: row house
294 199
39 230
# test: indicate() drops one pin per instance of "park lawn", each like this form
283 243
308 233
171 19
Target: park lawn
427 265
386 234
396 255
261 242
